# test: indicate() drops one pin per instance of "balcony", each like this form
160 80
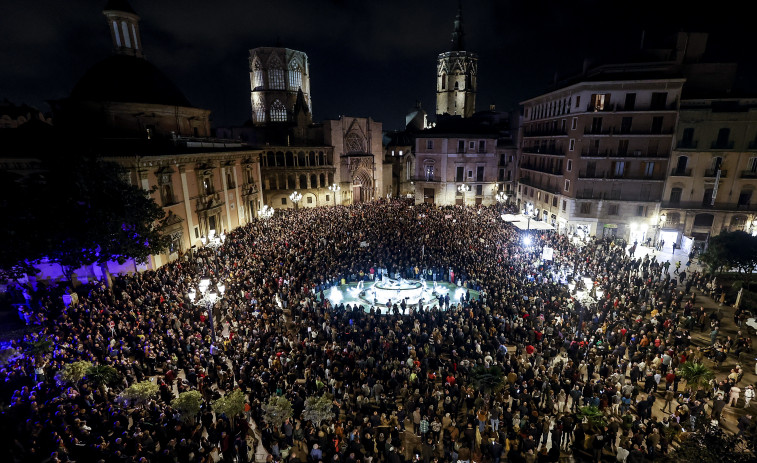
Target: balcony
748 174
614 131
544 132
752 145
617 107
634 196
612 176
687 144
628 154
588 174
426 179
543 150
532 183
680 173
714 172
722 145
698 205
544 170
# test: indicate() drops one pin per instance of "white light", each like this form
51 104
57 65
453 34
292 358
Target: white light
527 241
221 288
335 296
459 293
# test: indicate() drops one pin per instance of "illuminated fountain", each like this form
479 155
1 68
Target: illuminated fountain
383 294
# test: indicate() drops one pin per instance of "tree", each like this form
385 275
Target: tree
72 373
96 217
231 404
318 409
277 410
38 347
487 379
188 405
708 444
736 249
139 393
697 375
100 375
593 415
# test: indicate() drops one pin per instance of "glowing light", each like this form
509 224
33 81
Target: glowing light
335 296
459 293
527 241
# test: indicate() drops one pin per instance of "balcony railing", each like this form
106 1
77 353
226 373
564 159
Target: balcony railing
615 196
680 173
748 174
687 145
613 176
614 131
617 107
585 174
708 206
529 182
714 172
544 170
543 150
628 154
722 146
543 132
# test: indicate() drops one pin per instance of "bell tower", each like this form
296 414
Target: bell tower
456 72
123 23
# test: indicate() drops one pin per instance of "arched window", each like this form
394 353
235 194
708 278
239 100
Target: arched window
301 159
274 184
321 159
323 180
457 85
295 76
276 78
675 195
257 76
270 159
289 159
353 143
278 112
444 81
259 112
745 197
290 183
331 179
279 159
311 158
303 181
313 181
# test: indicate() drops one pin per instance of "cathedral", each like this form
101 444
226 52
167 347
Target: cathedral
456 72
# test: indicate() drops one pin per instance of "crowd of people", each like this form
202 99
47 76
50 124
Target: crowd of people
404 383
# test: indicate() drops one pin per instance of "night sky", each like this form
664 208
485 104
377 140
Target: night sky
368 57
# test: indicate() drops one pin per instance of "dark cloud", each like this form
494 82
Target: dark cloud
368 57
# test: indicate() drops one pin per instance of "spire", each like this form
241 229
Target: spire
458 43
123 23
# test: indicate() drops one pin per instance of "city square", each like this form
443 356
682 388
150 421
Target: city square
306 267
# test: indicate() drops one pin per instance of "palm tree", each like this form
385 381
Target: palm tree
697 375
100 375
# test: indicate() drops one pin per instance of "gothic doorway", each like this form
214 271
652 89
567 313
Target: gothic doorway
357 194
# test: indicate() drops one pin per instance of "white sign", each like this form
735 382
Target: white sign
363 244
547 253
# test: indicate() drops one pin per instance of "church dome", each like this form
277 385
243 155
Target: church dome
128 79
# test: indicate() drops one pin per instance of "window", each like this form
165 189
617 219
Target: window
259 112
599 102
723 135
554 201
197 233
461 146
571 144
457 85
657 124
640 211
625 125
585 208
276 79
283 201
479 190
681 165
619 168
562 126
578 102
501 175
574 123
310 200
460 174
745 197
328 198
649 169
622 147
295 76
429 144
570 165
472 145
687 139
257 76
659 99
429 173
278 112
479 173
752 165
482 146
564 205
207 185
612 210
675 195
596 125
630 102
444 81
567 185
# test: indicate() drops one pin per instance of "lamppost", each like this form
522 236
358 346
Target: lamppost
501 197
660 220
295 197
265 212
335 189
462 189
207 300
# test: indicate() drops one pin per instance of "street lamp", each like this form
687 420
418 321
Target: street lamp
207 300
335 189
265 212
501 197
295 197
660 220
463 188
